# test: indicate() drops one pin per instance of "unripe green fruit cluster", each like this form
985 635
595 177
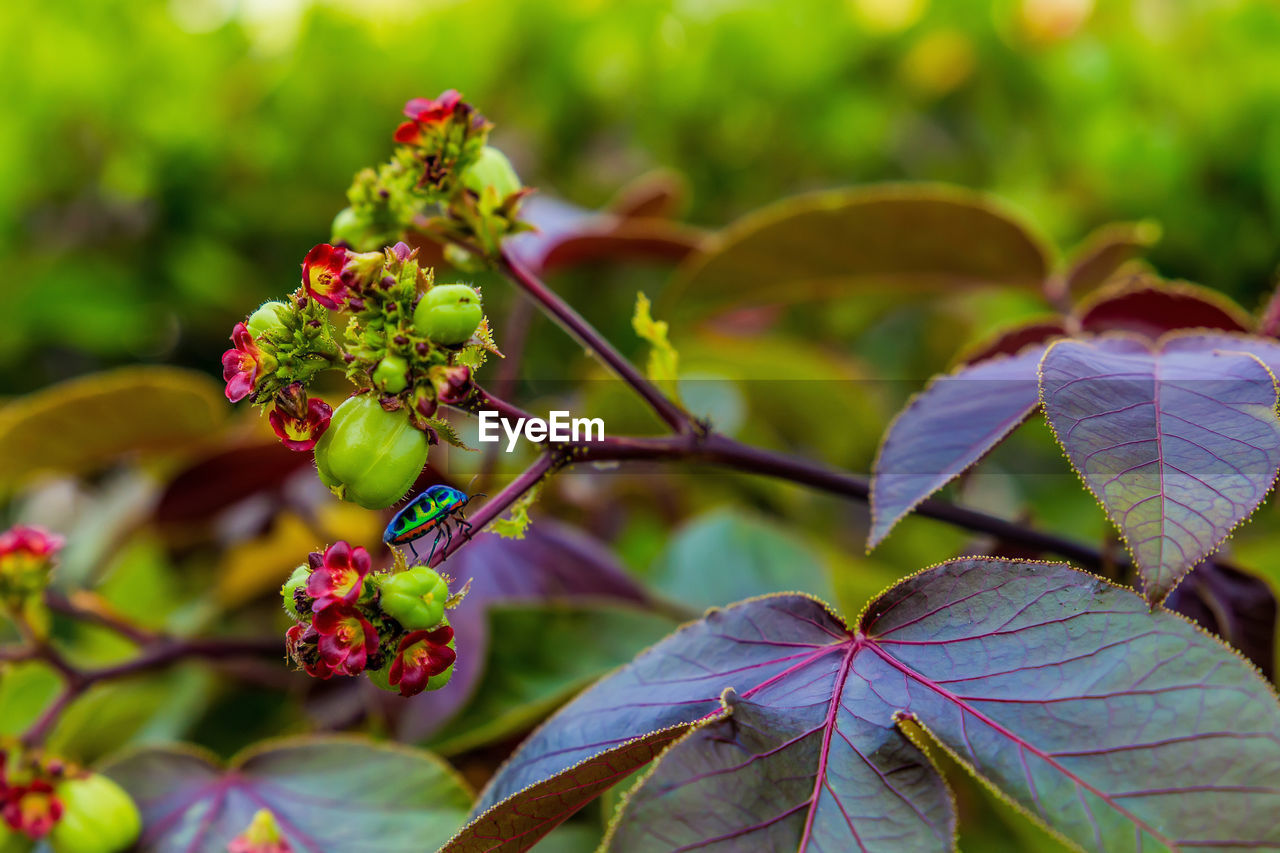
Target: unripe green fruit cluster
368 455
98 817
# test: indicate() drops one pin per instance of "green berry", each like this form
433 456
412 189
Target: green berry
391 374
297 580
493 170
415 598
268 318
448 314
13 842
98 817
370 456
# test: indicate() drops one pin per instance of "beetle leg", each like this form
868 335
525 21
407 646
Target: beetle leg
413 549
433 548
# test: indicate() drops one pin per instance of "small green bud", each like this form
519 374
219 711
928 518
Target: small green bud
98 817
268 318
288 592
448 314
368 455
493 170
391 374
414 598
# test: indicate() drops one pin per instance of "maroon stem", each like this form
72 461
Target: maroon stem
498 504
582 331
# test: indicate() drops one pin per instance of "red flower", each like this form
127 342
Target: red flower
346 638
332 275
30 542
424 113
302 644
322 275
421 655
241 364
32 808
339 577
301 433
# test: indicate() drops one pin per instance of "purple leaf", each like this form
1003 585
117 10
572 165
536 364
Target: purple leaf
568 236
1118 728
1150 307
1237 606
1179 443
1103 253
553 562
328 795
947 428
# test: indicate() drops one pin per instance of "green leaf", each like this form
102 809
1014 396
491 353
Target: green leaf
85 424
539 656
328 794
923 237
664 361
728 555
517 522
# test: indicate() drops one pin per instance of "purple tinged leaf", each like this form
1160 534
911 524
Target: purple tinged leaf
946 429
1237 606
1118 728
553 562
1179 443
328 795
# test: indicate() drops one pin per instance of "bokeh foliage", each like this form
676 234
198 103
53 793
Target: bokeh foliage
164 163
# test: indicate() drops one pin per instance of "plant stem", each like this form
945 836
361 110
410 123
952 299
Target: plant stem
583 332
498 504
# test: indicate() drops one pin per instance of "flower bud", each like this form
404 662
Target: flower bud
448 314
368 455
391 374
261 836
415 598
26 557
491 170
453 384
269 318
289 592
98 817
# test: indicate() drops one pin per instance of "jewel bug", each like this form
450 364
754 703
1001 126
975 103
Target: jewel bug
438 508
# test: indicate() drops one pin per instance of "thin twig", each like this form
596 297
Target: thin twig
583 332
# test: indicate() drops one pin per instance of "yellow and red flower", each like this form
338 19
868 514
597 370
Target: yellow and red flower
421 655
339 577
32 809
346 638
332 275
241 364
425 113
301 433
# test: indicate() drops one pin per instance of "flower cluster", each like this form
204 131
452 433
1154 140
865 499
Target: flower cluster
261 836
342 627
47 798
28 803
27 555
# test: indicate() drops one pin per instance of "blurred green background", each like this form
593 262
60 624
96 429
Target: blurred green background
166 163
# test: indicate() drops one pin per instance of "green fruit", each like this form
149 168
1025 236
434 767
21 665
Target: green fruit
378 678
13 842
448 314
297 580
491 169
370 456
415 598
268 318
98 817
390 374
